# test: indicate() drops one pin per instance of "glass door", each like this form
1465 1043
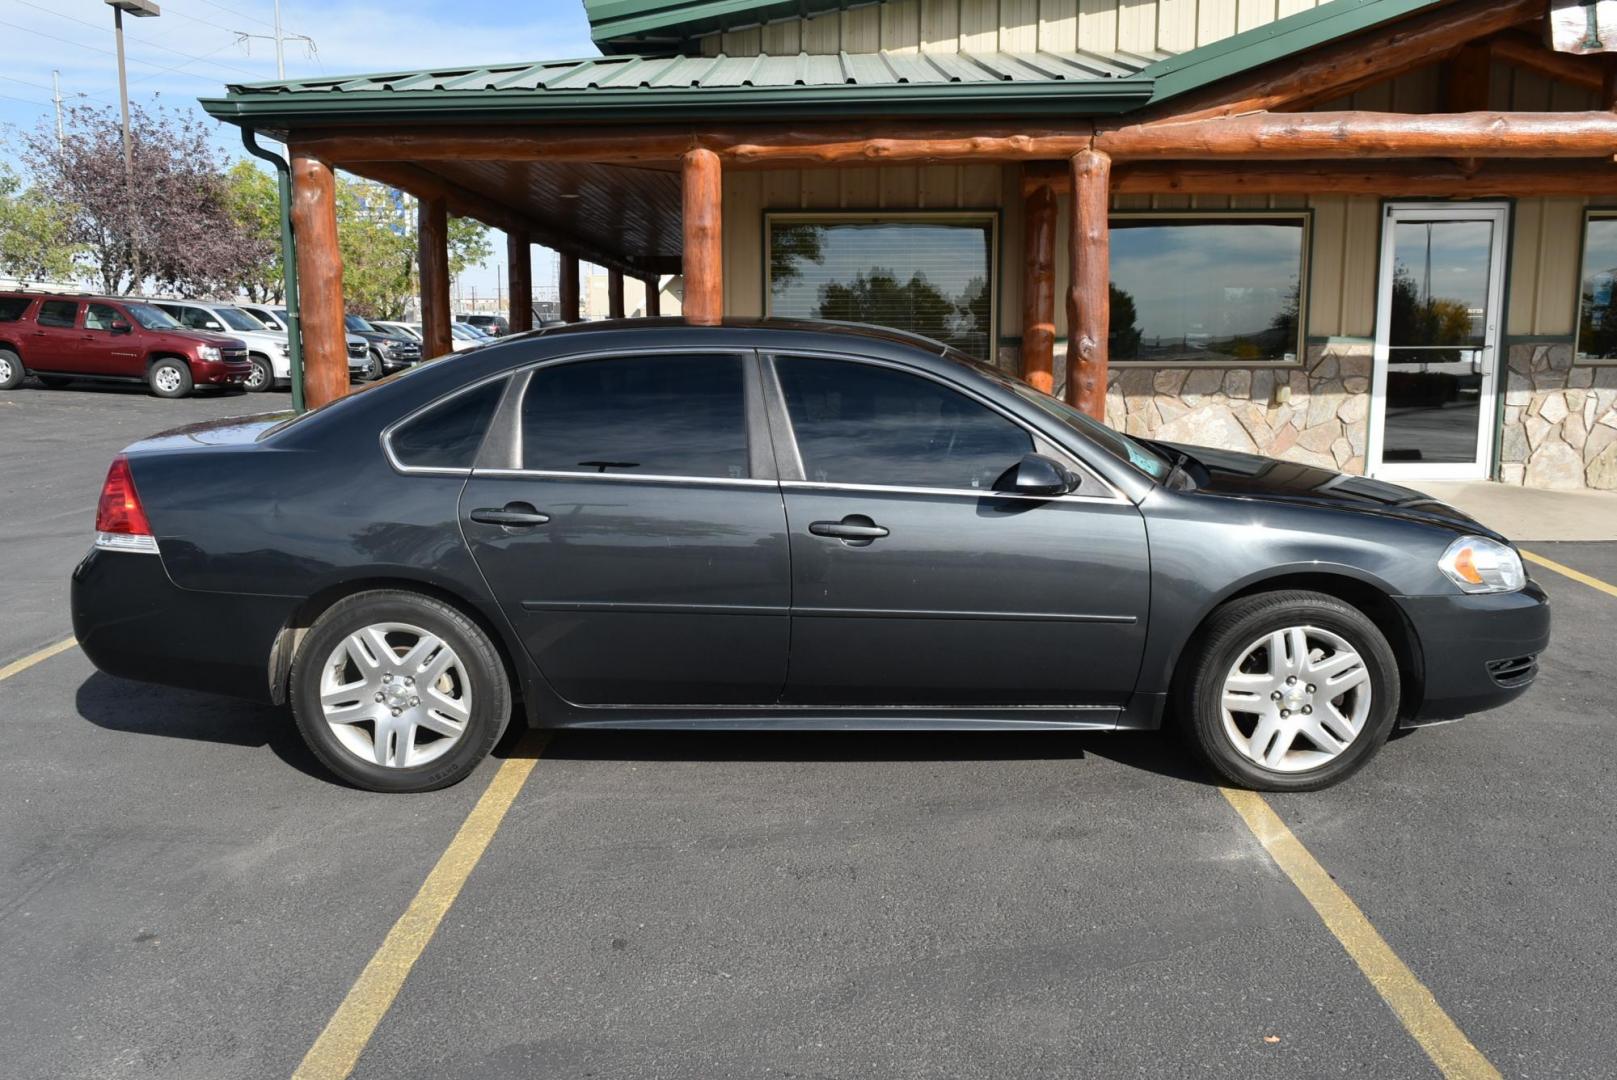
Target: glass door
1437 340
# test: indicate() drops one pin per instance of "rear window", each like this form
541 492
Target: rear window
448 434
12 307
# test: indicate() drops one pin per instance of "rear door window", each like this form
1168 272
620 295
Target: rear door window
58 313
666 415
448 434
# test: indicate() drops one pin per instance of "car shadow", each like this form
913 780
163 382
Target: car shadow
165 712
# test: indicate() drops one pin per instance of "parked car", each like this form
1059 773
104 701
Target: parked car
266 349
60 338
492 325
404 329
388 351
773 525
463 337
276 318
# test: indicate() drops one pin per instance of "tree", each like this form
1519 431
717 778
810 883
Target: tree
878 298
253 201
33 242
376 231
1125 330
171 225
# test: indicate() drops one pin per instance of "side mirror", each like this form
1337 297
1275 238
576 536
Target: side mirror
212 324
1036 474
118 326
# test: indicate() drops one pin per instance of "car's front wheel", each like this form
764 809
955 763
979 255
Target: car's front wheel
169 378
1289 691
262 377
373 367
395 691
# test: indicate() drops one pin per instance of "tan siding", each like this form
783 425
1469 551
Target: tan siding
1010 25
1547 237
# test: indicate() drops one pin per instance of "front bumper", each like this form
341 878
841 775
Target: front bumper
1477 652
132 621
220 372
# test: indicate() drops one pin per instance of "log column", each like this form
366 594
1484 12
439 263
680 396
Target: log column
1089 302
703 259
567 289
654 296
1039 288
614 294
432 238
519 271
314 222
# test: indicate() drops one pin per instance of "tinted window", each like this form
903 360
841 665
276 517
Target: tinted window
862 424
238 320
1597 307
57 313
152 318
12 307
447 435
101 317
655 416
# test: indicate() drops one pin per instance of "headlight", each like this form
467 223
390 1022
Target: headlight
1479 565
210 352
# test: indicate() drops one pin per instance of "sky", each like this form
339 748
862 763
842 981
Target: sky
192 50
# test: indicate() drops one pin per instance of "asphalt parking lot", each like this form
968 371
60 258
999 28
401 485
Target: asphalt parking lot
184 893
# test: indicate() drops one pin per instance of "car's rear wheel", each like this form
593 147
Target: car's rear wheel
11 370
395 691
1290 691
169 378
262 377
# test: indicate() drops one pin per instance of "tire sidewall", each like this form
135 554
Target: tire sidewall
373 366
1229 637
491 693
11 370
261 371
185 379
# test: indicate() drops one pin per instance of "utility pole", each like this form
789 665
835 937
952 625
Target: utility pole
56 96
280 38
140 9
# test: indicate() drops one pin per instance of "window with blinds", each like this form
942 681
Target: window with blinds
1221 288
926 274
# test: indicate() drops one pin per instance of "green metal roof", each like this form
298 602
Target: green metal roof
693 87
647 25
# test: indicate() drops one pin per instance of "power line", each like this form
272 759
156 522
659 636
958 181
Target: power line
27 100
139 41
238 14
107 52
42 86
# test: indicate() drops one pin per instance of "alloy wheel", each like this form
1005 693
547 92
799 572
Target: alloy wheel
1296 699
395 695
5 370
258 377
168 380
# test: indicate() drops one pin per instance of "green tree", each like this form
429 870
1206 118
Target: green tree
880 299
376 232
253 201
33 241
1125 331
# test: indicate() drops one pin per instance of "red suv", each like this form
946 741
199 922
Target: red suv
62 338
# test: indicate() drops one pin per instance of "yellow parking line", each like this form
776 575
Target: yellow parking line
335 1052
1422 1016
17 666
1567 571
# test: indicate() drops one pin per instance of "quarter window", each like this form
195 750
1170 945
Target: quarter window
864 424
649 416
447 436
58 313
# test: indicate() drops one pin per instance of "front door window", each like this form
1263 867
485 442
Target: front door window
1436 341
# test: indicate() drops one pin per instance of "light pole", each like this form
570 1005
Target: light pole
140 9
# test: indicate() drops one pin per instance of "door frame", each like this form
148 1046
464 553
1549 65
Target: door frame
1499 213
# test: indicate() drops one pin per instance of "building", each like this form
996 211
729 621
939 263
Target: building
1371 234
596 300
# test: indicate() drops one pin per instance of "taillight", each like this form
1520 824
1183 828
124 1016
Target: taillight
120 521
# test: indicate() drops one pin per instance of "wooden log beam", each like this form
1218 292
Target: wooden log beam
314 223
1389 178
1338 69
567 288
654 296
432 250
704 253
463 202
1271 136
614 294
1527 51
519 275
1089 302
1039 288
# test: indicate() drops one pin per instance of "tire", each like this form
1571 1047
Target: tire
373 367
54 382
262 377
1274 743
169 378
427 746
11 370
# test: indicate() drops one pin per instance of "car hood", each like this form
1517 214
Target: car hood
226 431
208 337
1229 474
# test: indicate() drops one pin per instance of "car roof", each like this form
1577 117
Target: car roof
743 328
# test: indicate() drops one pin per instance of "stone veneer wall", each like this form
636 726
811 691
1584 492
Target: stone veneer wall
1316 413
1560 420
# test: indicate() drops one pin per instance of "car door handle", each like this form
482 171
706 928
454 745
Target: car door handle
855 530
511 514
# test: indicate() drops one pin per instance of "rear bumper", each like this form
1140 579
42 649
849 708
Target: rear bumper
132 621
1478 652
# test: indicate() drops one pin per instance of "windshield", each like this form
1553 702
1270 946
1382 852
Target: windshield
239 320
263 316
152 318
358 325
